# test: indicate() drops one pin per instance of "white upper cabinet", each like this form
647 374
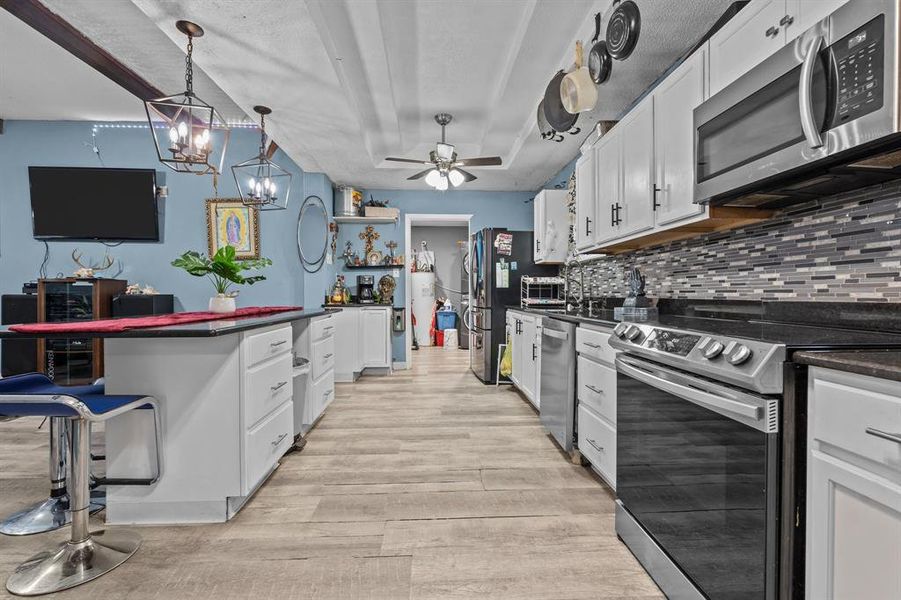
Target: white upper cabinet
759 30
586 217
745 41
674 102
608 197
635 209
551 226
803 14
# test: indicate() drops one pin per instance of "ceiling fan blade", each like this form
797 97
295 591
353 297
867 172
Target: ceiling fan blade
270 152
409 160
483 161
467 176
420 175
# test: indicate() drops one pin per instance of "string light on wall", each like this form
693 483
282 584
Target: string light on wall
190 135
262 183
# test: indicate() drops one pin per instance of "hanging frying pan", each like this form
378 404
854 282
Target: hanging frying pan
599 62
547 132
554 112
623 29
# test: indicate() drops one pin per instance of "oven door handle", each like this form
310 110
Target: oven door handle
805 98
685 387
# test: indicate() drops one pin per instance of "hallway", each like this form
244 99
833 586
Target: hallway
425 484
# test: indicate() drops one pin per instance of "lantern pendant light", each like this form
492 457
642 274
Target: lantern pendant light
190 135
262 183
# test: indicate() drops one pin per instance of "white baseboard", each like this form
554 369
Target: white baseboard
400 366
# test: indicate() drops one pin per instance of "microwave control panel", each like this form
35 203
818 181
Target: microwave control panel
859 60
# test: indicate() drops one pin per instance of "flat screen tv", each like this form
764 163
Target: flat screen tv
69 203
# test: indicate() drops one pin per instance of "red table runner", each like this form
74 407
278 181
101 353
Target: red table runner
116 325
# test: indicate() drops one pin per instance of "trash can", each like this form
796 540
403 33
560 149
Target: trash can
447 319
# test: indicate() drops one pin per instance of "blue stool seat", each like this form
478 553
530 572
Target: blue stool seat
91 399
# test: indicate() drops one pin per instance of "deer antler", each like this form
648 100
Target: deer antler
105 264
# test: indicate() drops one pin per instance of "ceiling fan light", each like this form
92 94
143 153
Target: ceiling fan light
442 184
456 177
433 177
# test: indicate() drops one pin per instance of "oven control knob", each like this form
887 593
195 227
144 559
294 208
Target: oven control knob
620 329
740 355
632 332
713 350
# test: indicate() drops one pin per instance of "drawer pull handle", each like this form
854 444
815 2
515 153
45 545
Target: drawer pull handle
279 439
594 389
892 437
279 343
327 356
279 386
594 445
591 345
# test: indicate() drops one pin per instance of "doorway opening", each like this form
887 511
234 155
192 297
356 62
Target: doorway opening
446 278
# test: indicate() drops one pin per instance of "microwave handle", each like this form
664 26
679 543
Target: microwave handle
805 99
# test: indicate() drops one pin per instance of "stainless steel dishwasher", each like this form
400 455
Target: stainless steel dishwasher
557 380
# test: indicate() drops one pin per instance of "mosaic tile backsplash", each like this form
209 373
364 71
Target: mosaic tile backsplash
841 248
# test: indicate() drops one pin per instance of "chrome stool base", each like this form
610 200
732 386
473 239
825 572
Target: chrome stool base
73 563
45 516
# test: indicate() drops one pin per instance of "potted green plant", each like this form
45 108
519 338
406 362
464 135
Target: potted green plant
225 271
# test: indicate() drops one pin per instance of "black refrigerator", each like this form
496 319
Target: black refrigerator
498 259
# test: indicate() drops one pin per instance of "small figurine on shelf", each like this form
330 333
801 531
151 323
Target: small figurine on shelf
339 291
349 255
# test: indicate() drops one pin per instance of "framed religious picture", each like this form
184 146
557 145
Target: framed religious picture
230 223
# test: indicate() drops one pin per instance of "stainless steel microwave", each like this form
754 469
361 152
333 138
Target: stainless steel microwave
819 116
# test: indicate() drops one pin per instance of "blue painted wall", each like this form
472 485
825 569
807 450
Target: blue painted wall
512 210
55 143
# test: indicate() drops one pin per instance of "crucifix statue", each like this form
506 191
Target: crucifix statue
392 245
369 235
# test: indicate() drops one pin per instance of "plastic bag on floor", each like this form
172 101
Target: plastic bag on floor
507 360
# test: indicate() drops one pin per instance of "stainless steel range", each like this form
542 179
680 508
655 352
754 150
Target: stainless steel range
706 421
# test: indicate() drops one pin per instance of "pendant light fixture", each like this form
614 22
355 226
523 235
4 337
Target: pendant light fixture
262 183
190 135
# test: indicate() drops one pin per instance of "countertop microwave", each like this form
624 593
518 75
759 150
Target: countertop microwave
819 116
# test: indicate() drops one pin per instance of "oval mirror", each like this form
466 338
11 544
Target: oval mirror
312 233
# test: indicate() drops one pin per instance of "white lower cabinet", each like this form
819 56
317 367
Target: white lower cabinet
362 340
316 342
525 341
853 487
265 443
596 396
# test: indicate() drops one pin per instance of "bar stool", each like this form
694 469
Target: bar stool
53 512
85 556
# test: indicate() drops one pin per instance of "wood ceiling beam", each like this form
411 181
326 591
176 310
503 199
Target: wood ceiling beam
56 29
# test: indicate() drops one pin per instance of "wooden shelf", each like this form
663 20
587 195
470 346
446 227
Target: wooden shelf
365 220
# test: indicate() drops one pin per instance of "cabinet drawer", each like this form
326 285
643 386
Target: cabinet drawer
323 356
266 387
844 406
266 443
321 395
323 327
593 343
597 387
260 346
597 443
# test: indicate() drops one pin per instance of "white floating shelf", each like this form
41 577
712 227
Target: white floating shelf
340 219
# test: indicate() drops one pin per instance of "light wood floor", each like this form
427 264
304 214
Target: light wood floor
426 484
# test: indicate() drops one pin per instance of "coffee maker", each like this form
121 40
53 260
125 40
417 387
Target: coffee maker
365 283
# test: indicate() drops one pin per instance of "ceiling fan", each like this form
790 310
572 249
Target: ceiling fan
445 166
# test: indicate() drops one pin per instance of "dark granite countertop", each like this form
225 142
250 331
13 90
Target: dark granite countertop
189 330
604 318
885 364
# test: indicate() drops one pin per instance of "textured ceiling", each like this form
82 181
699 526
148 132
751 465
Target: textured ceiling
354 81
62 88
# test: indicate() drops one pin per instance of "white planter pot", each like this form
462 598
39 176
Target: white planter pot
222 304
